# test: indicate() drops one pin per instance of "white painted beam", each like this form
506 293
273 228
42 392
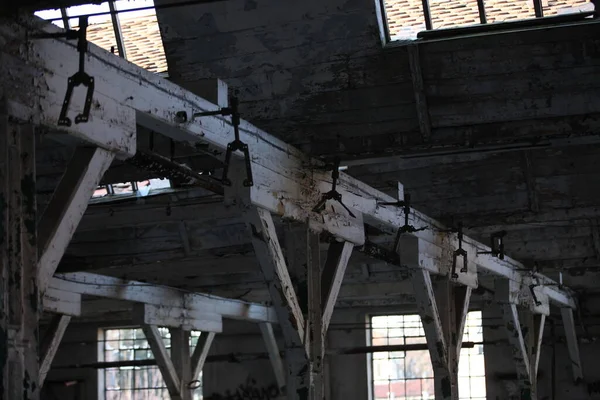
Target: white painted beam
163 360
284 182
510 315
338 256
176 317
273 349
180 355
201 352
67 206
572 344
62 302
161 296
50 344
315 317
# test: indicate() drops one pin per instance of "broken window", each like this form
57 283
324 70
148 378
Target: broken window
404 19
138 189
130 379
128 28
408 375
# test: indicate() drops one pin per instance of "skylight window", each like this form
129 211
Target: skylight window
130 25
404 19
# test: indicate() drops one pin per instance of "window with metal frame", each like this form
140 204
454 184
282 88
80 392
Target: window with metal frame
128 28
129 380
408 375
404 19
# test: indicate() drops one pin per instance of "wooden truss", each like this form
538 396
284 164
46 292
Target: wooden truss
287 183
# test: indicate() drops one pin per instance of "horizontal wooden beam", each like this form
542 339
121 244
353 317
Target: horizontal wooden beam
286 181
62 302
175 317
161 296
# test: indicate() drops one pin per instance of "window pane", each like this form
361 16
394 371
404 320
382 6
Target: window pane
505 11
453 14
405 18
560 7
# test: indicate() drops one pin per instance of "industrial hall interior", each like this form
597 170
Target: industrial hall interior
304 200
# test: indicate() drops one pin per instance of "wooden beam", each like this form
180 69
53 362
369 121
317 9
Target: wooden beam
175 317
274 356
180 355
315 317
163 360
51 342
510 315
572 344
414 60
5 189
62 302
70 199
161 296
534 337
434 333
201 352
338 256
284 183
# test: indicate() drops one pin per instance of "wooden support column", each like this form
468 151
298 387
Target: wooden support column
315 317
338 256
289 313
266 330
164 362
69 202
50 344
20 300
572 345
180 356
200 353
416 73
535 334
510 315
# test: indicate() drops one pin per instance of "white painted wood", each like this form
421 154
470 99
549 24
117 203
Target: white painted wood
572 344
268 335
334 269
50 344
175 317
201 352
271 260
180 355
67 206
315 317
512 323
539 322
163 360
282 183
62 302
462 301
162 296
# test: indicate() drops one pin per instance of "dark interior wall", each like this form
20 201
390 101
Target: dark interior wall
315 72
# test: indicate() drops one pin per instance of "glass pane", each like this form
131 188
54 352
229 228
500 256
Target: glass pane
405 19
418 364
505 11
556 7
448 14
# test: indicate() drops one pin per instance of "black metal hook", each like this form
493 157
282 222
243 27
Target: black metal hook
333 194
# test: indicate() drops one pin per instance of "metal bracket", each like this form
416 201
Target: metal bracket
406 228
496 244
333 194
235 145
460 252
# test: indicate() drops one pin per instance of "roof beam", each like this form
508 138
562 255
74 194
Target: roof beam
286 181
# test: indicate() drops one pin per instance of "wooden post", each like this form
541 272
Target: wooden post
572 345
50 344
201 352
20 300
180 355
315 317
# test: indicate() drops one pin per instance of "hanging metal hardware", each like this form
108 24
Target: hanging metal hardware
496 244
333 194
533 271
80 77
235 145
460 252
407 227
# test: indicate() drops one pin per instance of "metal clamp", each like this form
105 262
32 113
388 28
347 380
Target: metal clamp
496 244
333 194
236 144
460 252
80 77
407 227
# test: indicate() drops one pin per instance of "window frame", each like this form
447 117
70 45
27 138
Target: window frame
538 21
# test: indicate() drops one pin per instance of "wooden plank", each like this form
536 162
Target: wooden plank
535 334
160 296
51 342
68 204
268 335
414 60
572 344
62 302
163 360
315 317
4 259
338 256
510 315
179 318
201 352
180 355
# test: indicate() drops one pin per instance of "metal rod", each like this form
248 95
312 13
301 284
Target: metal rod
65 18
427 15
481 7
116 22
539 10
